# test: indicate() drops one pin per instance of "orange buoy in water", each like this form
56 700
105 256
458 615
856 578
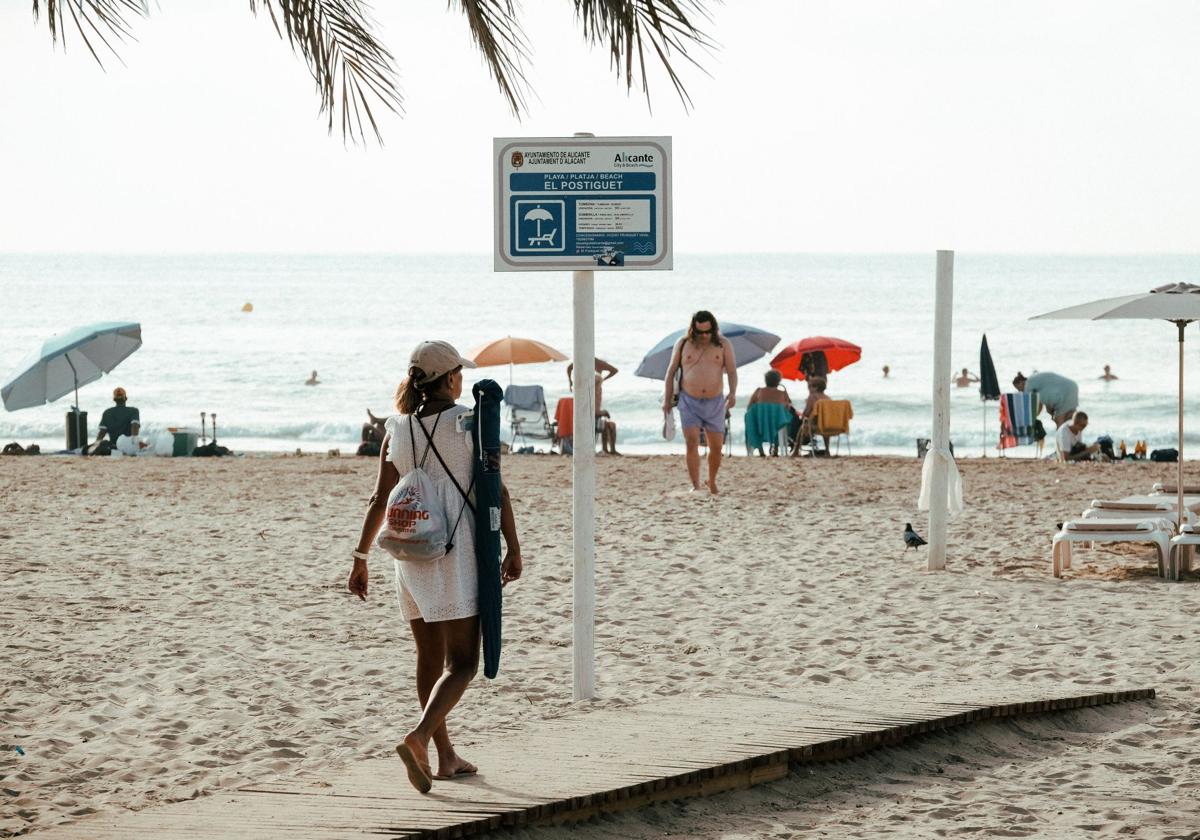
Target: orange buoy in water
247 307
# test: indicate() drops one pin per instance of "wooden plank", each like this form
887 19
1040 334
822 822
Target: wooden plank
582 765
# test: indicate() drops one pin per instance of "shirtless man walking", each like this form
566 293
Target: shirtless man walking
704 357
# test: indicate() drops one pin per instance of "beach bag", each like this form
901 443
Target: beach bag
416 526
1168 456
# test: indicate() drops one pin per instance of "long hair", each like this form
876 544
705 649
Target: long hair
701 316
413 391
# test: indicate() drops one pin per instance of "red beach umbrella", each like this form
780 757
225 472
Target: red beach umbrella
838 354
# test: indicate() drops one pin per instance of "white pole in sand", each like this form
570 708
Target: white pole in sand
583 475
942 322
583 479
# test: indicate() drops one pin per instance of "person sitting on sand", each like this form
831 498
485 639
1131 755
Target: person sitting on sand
1070 440
704 357
1058 394
373 432
116 420
438 598
1108 376
312 380
772 392
604 421
965 379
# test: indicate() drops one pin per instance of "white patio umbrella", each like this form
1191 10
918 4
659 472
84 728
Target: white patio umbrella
1178 303
68 360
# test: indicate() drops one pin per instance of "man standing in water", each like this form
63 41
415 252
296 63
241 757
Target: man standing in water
703 356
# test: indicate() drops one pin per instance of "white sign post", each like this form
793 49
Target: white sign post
583 203
943 320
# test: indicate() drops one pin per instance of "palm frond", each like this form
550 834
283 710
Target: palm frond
103 19
498 35
350 66
630 26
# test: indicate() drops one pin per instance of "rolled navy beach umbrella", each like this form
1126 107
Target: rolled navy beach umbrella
487 519
989 384
839 353
1178 303
68 360
749 345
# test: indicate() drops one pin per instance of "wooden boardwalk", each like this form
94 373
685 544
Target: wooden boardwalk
588 763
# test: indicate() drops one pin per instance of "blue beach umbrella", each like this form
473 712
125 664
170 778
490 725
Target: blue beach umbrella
749 345
68 360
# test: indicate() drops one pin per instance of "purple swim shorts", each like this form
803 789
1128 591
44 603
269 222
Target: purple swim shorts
708 414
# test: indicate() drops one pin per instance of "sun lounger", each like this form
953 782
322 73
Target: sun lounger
1155 531
1135 510
1172 489
1182 549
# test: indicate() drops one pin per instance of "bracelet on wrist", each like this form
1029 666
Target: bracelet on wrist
360 555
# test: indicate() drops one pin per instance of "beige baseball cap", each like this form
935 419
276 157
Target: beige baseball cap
436 358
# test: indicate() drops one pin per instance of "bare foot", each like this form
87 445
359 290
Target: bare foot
712 488
416 761
453 765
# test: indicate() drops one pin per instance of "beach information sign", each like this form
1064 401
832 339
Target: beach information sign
582 203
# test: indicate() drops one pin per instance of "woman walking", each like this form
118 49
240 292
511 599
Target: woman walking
438 598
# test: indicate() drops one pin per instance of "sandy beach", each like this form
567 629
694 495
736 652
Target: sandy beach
175 627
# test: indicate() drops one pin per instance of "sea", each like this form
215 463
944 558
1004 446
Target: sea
355 318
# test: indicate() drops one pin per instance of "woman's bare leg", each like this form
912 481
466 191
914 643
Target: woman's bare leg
431 662
461 640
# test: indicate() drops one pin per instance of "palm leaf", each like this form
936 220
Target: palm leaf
91 19
629 26
352 69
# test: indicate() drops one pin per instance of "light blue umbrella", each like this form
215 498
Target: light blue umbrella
749 345
66 361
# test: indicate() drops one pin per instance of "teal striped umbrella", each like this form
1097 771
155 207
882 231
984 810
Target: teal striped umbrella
68 360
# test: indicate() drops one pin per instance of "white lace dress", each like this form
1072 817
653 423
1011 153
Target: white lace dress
446 588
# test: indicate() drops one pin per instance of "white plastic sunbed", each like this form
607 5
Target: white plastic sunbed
1158 532
1133 509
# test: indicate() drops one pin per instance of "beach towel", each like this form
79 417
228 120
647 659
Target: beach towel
564 417
1018 415
954 488
763 422
833 416
525 397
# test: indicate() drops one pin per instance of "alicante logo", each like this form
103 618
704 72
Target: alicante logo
644 159
518 160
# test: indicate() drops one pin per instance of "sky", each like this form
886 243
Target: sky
848 126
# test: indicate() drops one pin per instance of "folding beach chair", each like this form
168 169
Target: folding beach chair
528 416
767 423
833 420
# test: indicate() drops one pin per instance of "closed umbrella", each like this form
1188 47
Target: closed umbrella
838 354
1178 303
749 344
66 361
989 384
513 351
